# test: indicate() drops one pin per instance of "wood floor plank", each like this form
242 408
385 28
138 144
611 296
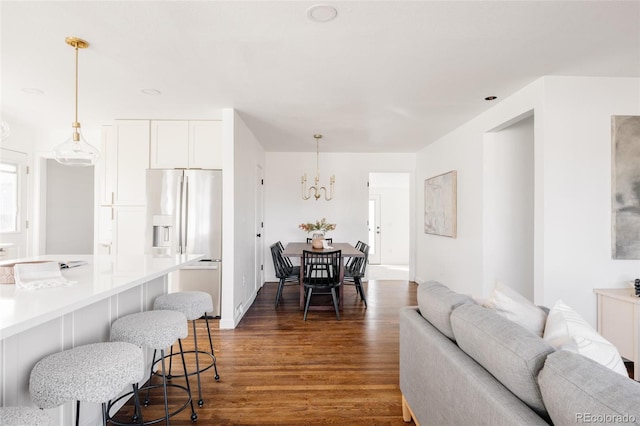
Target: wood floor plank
276 369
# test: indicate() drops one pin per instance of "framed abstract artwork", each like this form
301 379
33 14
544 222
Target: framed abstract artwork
440 204
625 191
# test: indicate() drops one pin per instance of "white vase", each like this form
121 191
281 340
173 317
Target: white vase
316 242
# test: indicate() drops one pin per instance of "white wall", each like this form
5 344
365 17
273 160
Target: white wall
508 207
577 182
572 200
285 209
242 153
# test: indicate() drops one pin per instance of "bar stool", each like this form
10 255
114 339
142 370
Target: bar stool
194 305
157 330
91 373
23 416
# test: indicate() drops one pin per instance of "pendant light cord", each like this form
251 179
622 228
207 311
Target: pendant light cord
76 48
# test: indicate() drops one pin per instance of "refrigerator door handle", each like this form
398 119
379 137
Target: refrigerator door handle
181 219
186 212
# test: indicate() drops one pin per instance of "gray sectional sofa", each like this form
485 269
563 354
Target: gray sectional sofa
464 364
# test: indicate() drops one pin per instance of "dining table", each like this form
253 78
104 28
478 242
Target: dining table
347 250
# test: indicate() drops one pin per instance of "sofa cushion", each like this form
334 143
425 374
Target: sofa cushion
511 353
436 302
578 390
566 329
517 308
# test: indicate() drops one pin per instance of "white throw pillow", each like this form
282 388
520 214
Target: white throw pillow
567 330
517 308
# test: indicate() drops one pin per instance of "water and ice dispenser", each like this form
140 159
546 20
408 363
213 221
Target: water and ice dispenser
162 231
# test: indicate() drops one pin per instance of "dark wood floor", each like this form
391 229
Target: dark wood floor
276 369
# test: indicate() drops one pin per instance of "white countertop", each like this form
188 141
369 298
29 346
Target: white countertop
102 277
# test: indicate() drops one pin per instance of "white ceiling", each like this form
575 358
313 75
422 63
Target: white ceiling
384 76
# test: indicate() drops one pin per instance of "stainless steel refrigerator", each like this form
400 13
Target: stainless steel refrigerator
184 215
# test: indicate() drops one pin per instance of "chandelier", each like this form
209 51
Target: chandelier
76 151
316 190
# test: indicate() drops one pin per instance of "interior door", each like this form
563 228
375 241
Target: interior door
259 249
374 229
13 204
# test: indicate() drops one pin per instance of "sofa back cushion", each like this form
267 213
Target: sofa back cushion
511 353
578 390
436 302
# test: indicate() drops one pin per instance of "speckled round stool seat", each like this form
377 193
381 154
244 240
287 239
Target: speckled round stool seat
23 416
194 305
157 330
93 373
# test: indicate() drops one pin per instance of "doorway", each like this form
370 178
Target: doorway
508 219
389 226
13 204
259 248
69 218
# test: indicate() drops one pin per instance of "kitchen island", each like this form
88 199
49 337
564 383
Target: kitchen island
36 323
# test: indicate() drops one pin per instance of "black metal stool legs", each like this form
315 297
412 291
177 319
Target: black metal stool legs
194 416
215 367
195 346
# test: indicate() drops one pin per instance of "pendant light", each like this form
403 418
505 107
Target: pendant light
316 190
76 151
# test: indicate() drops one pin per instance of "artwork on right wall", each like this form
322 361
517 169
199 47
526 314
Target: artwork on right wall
625 180
440 204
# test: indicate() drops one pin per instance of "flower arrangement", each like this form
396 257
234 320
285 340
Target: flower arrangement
319 225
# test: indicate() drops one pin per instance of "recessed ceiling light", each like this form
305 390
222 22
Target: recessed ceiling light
150 92
490 98
32 91
322 13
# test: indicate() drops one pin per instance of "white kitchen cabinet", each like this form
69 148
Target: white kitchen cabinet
205 145
129 224
186 144
132 162
105 230
108 159
125 157
169 145
121 215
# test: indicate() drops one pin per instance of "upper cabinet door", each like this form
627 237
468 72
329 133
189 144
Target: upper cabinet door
186 145
205 145
169 145
132 161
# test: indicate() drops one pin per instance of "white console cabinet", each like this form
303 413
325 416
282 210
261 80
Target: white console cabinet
186 144
619 322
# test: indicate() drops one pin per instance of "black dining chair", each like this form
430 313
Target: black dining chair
285 271
354 270
321 281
